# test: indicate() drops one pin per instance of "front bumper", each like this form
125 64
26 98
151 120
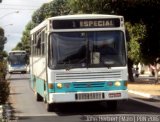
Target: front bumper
18 70
87 96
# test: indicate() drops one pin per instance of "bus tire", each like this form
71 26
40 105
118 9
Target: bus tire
49 107
112 105
39 97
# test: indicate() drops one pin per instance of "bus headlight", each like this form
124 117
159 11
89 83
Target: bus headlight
59 85
117 83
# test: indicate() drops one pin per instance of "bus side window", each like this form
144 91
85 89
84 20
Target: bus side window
43 43
38 41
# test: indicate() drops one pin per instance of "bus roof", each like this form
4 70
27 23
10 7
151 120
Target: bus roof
77 16
86 16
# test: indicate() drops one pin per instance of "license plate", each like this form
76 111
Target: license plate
89 96
113 95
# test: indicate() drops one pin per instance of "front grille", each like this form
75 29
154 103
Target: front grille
88 76
88 84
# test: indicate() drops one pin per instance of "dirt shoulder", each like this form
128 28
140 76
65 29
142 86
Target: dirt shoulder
145 86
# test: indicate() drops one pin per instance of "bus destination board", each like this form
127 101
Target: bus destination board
91 23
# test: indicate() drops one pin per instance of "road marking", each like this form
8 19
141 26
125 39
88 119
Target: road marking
144 101
146 95
140 94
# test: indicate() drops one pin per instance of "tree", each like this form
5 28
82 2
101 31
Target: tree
134 11
4 86
136 34
3 39
54 8
90 6
19 46
146 12
142 15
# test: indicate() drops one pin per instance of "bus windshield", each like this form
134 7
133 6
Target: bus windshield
17 59
87 49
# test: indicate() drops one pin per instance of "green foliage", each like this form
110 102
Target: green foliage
3 39
19 46
1 32
54 8
4 54
25 40
142 15
4 85
4 92
136 34
146 44
145 11
90 6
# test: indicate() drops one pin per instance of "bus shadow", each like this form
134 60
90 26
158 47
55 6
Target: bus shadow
124 107
90 108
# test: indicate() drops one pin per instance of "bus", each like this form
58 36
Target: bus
79 58
17 61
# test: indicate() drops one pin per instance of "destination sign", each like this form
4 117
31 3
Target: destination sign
17 53
91 23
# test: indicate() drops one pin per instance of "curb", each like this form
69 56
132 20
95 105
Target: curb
146 95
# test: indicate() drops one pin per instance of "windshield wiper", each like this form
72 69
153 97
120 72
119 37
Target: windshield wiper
108 64
67 66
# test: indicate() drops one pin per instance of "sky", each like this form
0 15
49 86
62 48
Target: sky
14 22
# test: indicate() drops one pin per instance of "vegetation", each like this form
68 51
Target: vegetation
4 86
54 8
142 23
4 92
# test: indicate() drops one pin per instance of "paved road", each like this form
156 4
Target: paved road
28 110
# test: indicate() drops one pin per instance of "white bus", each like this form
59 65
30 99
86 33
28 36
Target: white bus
79 58
17 61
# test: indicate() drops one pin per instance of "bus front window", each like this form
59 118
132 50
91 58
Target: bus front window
87 49
17 60
108 48
69 48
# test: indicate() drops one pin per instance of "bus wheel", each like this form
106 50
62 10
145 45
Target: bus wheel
49 107
39 97
112 105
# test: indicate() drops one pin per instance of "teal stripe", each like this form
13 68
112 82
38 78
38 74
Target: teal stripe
40 86
88 86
